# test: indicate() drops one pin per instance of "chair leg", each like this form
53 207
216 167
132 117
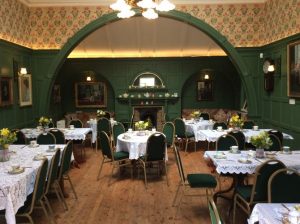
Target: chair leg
234 209
71 184
47 203
61 194
166 173
100 169
186 144
176 195
145 174
62 200
46 213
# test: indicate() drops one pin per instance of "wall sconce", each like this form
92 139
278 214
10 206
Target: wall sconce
88 78
206 77
269 69
23 71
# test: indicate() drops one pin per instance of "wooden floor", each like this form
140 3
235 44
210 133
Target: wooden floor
125 200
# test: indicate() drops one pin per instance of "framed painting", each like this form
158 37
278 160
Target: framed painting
293 54
204 90
6 91
56 94
90 94
25 90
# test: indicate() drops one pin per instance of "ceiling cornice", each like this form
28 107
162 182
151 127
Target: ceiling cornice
53 3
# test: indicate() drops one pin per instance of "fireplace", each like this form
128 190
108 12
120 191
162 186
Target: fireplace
154 113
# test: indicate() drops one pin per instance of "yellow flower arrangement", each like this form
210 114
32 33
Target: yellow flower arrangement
44 121
261 141
100 113
196 114
236 122
141 125
7 137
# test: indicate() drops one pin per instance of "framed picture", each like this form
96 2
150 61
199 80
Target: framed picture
90 94
56 94
204 90
6 91
293 53
25 90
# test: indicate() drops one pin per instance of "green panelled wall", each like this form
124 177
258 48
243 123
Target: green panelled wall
179 75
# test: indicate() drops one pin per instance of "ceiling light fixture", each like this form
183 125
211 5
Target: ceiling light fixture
149 8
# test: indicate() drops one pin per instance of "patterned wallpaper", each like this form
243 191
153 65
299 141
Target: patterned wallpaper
244 25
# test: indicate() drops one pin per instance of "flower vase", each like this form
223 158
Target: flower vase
45 128
4 153
260 153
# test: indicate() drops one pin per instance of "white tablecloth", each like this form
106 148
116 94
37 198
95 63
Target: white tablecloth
15 188
134 144
194 126
268 213
230 163
93 125
213 135
70 134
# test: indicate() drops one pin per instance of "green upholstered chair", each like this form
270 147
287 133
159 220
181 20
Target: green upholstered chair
36 199
116 159
169 132
107 115
66 165
276 143
155 153
224 142
59 136
248 124
278 134
213 212
205 116
46 139
182 134
246 196
21 139
222 124
103 124
192 181
240 137
77 123
283 186
117 129
53 179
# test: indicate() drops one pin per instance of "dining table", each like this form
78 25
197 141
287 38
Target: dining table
275 213
134 143
193 126
16 186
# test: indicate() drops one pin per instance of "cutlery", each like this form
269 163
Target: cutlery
23 146
285 207
26 166
258 160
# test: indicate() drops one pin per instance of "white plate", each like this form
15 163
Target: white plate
34 146
245 161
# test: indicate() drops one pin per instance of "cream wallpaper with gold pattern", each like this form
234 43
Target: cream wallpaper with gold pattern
244 25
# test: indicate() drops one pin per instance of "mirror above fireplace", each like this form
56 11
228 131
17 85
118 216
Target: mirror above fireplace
148 80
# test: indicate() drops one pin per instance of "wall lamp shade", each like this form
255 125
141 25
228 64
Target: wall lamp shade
149 8
271 68
23 71
88 78
206 77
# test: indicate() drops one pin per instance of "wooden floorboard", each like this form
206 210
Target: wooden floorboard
121 199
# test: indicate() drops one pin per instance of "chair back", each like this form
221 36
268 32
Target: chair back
169 132
46 139
65 163
105 145
213 212
248 124
222 124
224 142
205 116
53 170
77 123
179 165
262 174
117 129
59 136
107 115
240 137
39 185
278 134
156 147
276 144
179 127
21 139
103 124
283 186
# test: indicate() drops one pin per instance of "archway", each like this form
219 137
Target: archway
187 18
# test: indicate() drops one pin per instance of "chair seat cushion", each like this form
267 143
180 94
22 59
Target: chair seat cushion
121 155
244 191
201 180
187 135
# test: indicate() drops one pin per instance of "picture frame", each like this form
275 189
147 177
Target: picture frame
56 94
6 91
204 90
293 65
25 90
90 94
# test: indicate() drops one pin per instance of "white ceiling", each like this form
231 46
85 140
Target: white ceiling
35 3
139 37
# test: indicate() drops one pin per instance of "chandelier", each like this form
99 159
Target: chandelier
149 8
